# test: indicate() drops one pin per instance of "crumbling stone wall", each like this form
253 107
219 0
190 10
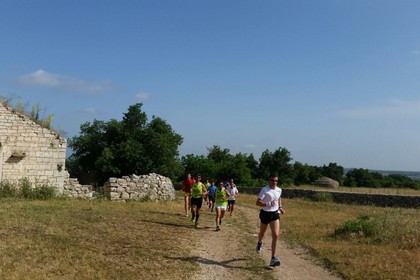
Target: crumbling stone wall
73 189
152 187
28 150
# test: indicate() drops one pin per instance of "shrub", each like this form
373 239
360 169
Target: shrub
366 227
7 190
25 190
323 197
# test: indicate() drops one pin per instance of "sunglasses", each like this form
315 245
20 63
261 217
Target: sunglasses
271 180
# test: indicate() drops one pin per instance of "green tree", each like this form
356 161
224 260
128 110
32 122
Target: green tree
360 177
161 145
276 162
334 171
131 146
301 172
218 155
195 164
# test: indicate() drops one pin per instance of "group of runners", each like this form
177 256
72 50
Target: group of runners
222 197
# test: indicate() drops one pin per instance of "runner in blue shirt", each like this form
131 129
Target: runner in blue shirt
212 195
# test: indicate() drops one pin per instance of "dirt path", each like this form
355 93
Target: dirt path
221 255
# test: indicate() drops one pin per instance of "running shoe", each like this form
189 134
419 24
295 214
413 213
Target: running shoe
259 248
274 261
217 228
197 225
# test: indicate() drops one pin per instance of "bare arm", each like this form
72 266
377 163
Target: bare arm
281 207
227 194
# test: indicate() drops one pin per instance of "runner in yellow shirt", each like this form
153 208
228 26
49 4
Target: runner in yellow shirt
222 196
198 191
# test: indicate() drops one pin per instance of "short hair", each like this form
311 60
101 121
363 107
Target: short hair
274 174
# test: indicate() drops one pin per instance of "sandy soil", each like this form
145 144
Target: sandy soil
225 260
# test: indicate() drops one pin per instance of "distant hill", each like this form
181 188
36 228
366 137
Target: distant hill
411 174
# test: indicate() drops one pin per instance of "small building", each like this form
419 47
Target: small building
29 150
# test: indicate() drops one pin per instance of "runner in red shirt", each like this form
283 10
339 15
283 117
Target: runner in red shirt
186 188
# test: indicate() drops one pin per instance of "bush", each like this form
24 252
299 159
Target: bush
366 227
25 190
7 190
323 197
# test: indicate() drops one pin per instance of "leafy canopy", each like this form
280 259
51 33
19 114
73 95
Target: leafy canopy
120 148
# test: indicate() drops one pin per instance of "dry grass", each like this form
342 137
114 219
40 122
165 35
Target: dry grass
74 239
63 239
392 253
71 239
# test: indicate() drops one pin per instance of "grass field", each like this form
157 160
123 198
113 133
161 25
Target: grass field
73 239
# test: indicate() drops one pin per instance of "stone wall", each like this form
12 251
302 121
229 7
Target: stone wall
28 150
73 189
381 200
152 187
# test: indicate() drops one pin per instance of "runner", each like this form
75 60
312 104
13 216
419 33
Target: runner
270 199
233 191
221 197
198 190
186 188
206 197
211 195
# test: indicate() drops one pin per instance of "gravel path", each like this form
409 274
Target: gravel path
220 255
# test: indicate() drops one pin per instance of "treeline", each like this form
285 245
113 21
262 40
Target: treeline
136 146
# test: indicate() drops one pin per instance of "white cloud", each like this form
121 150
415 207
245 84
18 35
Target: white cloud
90 111
396 108
142 95
250 146
41 78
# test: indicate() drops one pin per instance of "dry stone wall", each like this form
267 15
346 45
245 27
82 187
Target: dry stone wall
73 189
28 150
151 187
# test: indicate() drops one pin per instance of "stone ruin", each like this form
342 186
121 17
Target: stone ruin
151 187
326 182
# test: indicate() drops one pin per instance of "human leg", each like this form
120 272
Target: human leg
275 228
193 212
198 203
263 228
186 204
218 214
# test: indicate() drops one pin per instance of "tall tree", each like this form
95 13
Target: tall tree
334 171
131 146
278 162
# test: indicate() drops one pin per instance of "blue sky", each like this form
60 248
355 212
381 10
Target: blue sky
329 80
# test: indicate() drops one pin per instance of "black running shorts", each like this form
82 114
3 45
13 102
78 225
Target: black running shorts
197 201
268 217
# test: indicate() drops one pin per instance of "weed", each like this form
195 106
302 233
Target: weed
363 226
322 197
24 189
